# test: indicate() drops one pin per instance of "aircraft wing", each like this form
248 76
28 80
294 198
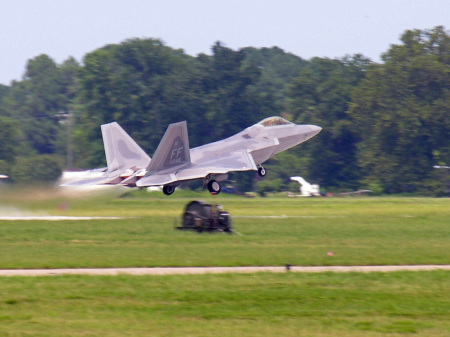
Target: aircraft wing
240 160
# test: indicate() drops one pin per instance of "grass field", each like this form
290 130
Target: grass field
273 231
353 304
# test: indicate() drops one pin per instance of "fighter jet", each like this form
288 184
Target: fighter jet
174 162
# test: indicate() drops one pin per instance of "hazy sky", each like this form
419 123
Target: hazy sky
324 28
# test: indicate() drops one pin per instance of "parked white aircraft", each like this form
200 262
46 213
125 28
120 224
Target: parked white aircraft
307 189
174 163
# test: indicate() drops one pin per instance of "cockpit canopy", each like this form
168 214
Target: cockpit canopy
273 121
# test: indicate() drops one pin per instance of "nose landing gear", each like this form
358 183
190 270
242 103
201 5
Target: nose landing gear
261 171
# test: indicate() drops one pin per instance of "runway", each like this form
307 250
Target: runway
216 270
55 217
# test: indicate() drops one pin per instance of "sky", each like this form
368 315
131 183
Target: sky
306 28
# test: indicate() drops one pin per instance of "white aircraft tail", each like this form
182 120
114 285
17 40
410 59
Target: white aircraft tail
300 180
121 151
307 189
173 151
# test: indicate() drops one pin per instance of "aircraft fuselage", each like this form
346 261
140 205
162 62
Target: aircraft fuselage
261 142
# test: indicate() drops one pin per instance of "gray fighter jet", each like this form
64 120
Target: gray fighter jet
174 162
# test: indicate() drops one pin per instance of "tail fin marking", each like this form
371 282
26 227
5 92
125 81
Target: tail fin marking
173 151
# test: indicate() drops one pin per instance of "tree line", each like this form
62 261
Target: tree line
385 125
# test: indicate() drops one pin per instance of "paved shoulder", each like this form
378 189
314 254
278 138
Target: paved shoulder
213 270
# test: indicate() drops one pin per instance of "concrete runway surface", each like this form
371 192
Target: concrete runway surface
55 217
213 270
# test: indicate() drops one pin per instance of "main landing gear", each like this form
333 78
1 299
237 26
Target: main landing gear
214 187
168 189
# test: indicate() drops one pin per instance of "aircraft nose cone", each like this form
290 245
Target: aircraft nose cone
314 130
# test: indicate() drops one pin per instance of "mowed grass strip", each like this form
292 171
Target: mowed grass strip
262 304
274 231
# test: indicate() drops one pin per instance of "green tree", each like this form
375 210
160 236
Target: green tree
39 90
9 136
68 89
37 101
278 69
226 82
141 84
144 86
320 95
4 89
36 169
401 110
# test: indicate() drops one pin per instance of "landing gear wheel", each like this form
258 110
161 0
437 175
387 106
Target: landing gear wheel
214 187
261 171
168 190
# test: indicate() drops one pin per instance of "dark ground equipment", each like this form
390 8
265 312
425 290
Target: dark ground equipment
204 217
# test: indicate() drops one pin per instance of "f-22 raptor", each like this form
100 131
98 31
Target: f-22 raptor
174 162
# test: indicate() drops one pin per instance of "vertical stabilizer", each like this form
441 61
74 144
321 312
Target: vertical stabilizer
121 150
173 151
